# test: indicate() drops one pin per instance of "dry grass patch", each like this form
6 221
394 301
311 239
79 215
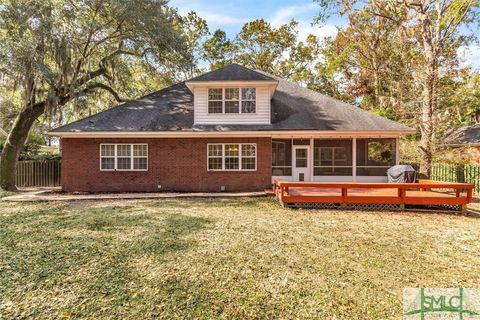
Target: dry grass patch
243 258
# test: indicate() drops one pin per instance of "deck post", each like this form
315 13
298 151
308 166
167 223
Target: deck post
401 194
397 150
344 197
469 194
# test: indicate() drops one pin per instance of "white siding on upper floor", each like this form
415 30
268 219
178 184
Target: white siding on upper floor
201 115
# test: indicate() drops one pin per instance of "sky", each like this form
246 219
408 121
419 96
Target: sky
230 15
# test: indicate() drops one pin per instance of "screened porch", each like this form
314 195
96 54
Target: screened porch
333 160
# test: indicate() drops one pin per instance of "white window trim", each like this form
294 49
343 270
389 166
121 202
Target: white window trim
216 100
115 157
239 100
239 157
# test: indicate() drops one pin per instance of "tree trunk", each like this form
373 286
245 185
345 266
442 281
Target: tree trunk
429 96
426 129
14 144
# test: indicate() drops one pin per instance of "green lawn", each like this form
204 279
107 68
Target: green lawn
4 193
203 259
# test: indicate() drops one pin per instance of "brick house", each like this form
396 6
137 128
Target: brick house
462 144
231 129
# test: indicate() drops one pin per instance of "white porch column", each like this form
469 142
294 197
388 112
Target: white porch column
397 150
311 159
354 159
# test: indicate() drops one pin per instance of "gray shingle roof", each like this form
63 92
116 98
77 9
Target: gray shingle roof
233 72
469 135
293 108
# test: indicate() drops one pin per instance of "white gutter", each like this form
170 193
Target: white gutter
231 134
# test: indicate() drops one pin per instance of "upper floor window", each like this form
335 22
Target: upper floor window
232 100
124 157
215 100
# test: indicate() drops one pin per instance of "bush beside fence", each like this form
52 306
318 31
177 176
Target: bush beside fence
38 173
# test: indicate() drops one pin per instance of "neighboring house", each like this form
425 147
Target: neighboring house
464 142
230 129
49 149
3 133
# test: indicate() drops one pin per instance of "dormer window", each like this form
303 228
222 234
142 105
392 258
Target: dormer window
232 100
249 102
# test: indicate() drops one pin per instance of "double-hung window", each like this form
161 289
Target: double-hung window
215 100
249 100
232 157
232 100
124 157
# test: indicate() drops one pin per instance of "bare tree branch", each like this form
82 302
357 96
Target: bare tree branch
99 85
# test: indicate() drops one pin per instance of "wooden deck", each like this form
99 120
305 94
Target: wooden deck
421 193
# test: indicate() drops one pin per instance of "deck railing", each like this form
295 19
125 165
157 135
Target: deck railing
468 173
423 192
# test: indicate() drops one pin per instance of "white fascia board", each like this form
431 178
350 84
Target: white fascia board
232 134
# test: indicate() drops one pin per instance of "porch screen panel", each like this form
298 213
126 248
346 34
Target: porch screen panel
281 157
375 156
332 157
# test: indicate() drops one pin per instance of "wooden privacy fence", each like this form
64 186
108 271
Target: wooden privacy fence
461 173
468 173
38 173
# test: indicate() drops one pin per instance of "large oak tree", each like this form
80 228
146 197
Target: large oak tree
433 28
56 52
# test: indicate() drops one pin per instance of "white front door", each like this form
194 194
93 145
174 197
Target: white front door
301 163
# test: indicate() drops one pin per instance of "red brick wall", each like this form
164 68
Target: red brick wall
175 164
